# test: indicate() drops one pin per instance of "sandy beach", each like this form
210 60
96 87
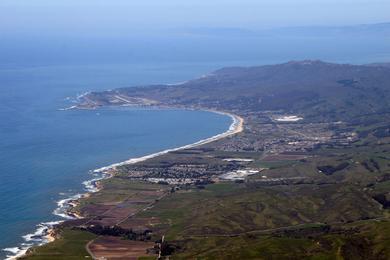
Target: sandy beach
236 127
65 207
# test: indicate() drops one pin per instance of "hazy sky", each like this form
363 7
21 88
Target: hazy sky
116 16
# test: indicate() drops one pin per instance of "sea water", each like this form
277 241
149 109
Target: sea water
46 153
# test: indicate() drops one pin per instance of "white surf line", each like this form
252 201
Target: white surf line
64 206
42 232
38 238
235 127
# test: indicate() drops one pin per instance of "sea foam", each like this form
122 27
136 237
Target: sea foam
39 237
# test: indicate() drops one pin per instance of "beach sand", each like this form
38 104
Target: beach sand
236 127
94 185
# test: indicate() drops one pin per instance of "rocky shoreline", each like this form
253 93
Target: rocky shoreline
67 206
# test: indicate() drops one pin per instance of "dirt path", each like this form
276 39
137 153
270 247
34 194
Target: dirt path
143 209
87 247
89 250
109 210
265 231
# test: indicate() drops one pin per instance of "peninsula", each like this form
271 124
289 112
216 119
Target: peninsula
304 172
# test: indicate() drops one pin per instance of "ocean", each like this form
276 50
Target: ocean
46 153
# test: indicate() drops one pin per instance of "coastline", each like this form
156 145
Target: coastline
45 232
236 127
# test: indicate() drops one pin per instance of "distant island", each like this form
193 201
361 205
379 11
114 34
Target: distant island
303 173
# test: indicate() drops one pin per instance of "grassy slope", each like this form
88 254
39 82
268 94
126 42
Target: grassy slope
199 223
70 245
224 209
372 241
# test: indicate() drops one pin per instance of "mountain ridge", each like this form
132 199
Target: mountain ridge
328 91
